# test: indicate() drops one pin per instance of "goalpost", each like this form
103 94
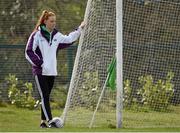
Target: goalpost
119 57
144 37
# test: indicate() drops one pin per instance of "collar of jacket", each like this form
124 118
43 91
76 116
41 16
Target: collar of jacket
46 34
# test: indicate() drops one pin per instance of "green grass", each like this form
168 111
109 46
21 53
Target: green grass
16 119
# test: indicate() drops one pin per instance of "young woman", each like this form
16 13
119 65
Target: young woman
41 52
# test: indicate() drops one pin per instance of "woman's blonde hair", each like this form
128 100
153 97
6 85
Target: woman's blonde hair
44 16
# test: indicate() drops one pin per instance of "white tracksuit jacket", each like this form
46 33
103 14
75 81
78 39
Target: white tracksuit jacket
41 52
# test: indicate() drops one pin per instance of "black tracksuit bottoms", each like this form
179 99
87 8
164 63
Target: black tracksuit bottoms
45 85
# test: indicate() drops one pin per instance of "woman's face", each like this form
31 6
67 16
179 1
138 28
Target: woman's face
50 22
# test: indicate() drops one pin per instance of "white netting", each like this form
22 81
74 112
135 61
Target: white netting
151 63
97 50
151 37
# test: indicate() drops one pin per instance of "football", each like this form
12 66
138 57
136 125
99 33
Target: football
58 121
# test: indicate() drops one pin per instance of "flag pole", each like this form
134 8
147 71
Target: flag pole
99 100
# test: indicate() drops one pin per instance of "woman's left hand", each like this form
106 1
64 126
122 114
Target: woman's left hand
83 24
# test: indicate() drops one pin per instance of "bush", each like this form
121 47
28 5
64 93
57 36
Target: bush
19 93
154 95
88 97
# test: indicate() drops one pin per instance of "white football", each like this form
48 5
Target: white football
58 121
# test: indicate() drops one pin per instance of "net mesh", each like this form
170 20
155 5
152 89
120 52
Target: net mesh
97 50
151 65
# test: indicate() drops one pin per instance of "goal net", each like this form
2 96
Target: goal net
151 65
95 52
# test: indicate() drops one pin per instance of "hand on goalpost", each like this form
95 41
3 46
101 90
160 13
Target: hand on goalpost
83 24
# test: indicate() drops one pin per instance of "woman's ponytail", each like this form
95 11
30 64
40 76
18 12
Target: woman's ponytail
44 16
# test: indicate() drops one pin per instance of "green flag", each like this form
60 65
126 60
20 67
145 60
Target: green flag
111 82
